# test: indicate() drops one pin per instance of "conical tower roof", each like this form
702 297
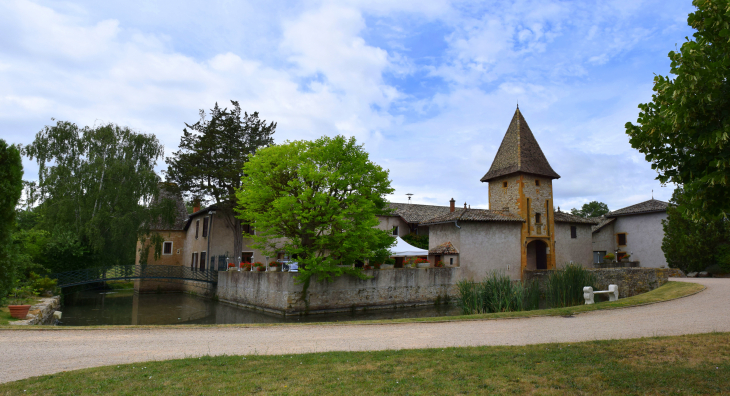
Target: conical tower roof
519 152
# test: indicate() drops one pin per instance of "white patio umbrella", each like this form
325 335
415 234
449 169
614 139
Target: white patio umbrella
403 249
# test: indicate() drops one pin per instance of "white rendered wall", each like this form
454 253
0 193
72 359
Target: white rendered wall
644 234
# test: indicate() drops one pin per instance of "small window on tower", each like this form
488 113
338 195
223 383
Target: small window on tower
537 183
504 184
537 218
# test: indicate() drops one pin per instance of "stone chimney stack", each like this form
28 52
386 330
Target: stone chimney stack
464 205
196 205
452 207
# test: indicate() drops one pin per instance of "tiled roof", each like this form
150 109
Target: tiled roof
169 191
519 152
475 215
444 248
414 213
562 217
649 206
604 222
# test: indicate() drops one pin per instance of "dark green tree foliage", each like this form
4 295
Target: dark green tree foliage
693 245
591 209
317 200
95 184
209 163
685 130
11 186
419 241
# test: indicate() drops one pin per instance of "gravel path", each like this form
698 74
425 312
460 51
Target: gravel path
31 353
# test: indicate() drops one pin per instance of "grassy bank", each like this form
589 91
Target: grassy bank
5 317
695 364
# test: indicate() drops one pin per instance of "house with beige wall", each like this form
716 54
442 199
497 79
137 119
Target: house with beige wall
636 230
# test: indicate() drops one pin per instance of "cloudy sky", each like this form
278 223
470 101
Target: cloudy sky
428 86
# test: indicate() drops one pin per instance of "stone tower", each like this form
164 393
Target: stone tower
521 182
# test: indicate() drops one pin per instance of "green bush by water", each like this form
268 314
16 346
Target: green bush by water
497 293
565 286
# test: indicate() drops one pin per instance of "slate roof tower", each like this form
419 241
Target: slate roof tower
520 182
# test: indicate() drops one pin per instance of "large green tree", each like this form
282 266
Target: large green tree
685 130
591 209
693 245
94 190
317 201
210 159
11 185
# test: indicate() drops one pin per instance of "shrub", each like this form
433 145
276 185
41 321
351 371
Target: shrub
609 256
42 285
389 260
565 286
497 293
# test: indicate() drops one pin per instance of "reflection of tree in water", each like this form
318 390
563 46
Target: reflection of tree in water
88 308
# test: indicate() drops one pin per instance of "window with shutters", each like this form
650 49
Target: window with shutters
573 232
246 228
167 247
205 227
621 239
197 228
202 260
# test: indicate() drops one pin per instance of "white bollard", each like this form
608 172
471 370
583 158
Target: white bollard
588 295
57 315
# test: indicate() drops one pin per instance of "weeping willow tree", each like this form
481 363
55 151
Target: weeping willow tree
95 186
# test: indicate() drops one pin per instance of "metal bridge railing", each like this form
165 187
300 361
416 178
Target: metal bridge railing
128 272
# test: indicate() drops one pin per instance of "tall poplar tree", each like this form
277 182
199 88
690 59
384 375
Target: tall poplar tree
11 185
211 155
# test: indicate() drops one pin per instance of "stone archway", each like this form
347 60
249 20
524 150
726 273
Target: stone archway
537 255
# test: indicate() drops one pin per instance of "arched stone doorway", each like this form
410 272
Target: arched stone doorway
536 255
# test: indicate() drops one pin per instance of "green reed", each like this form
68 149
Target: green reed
565 286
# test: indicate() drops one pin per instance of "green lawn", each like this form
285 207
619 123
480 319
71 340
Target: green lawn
5 317
694 364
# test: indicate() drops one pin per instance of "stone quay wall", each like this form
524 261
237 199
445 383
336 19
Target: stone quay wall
277 291
174 286
630 281
41 313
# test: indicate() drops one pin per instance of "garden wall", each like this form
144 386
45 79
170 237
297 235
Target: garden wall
630 281
277 292
174 286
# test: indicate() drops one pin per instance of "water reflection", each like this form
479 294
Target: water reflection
88 308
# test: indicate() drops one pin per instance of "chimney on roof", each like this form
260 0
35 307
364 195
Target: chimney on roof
452 206
196 205
464 205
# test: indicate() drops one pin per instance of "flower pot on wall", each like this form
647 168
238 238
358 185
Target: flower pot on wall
19 311
274 269
386 266
424 265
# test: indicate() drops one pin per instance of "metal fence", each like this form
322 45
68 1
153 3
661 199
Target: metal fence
129 272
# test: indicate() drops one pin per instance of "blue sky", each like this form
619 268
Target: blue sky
428 87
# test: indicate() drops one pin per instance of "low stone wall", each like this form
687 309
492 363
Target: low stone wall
277 292
174 286
41 313
630 281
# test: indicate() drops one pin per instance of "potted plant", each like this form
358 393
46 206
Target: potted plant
232 267
388 263
366 267
245 266
422 263
18 308
625 258
439 264
258 266
274 266
608 258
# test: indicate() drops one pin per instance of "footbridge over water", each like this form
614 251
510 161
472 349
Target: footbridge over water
131 272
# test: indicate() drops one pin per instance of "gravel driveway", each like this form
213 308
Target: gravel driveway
27 353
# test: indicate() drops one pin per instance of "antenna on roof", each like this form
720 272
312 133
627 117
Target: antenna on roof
409 197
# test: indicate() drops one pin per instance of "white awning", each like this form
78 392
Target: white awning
403 248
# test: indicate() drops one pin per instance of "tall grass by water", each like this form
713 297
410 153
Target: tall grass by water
497 293
565 286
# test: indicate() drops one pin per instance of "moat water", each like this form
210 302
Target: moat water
115 307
